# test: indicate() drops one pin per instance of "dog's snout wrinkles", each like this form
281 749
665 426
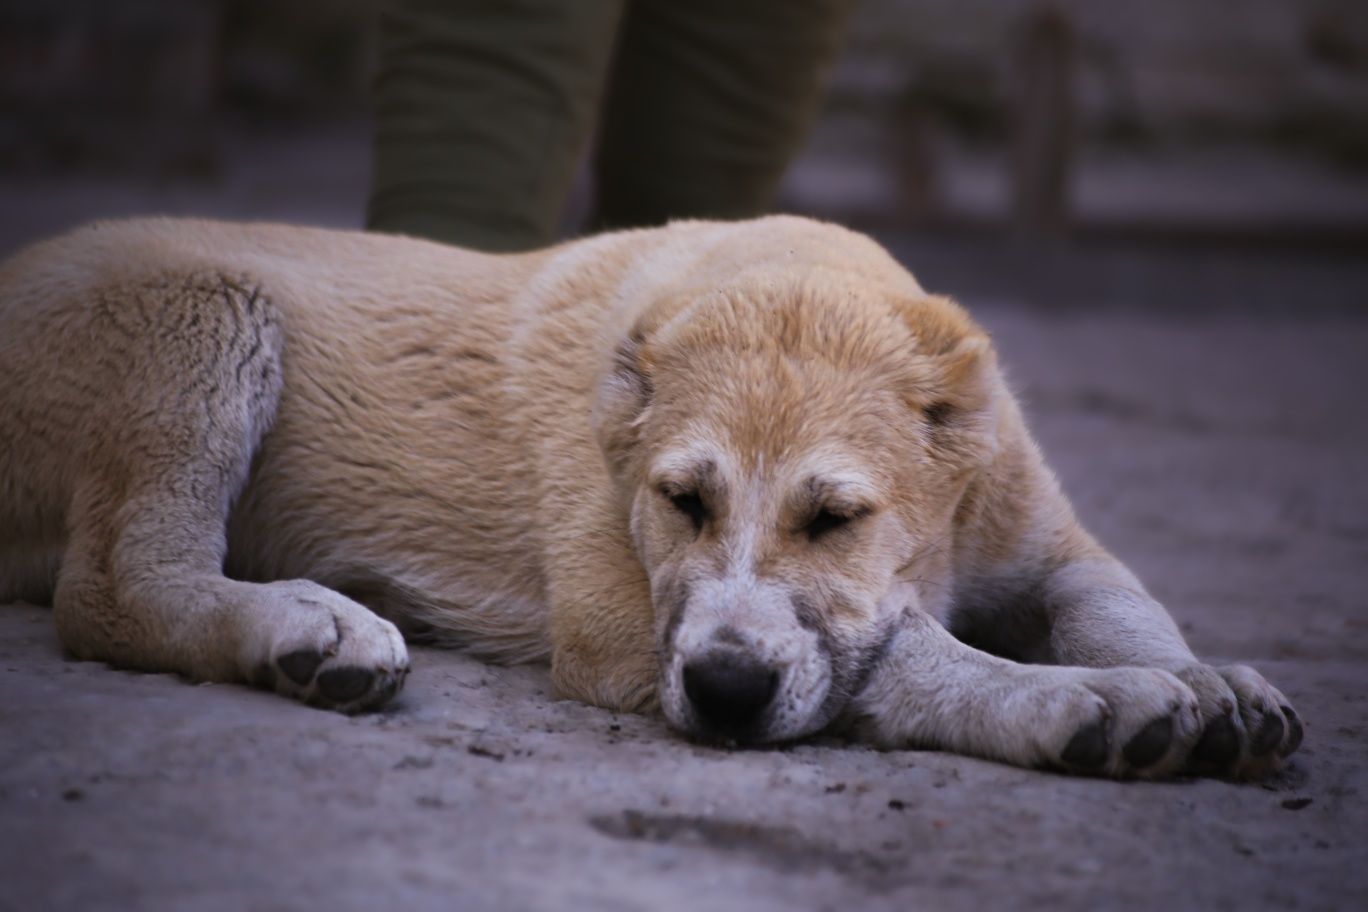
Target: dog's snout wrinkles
730 692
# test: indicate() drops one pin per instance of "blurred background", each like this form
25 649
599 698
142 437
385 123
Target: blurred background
1163 154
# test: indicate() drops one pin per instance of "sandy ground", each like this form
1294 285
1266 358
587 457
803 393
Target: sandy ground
1219 451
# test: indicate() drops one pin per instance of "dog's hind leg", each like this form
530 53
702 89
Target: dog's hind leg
188 374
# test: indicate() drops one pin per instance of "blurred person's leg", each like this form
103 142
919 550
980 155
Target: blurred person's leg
708 102
482 110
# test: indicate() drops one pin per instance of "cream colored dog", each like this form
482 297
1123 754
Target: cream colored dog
748 473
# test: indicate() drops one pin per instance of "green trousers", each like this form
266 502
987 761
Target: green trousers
484 107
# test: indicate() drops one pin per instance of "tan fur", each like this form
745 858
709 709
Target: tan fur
759 443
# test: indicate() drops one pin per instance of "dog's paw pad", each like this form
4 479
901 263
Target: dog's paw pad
300 666
263 676
345 684
1150 744
1219 745
1088 748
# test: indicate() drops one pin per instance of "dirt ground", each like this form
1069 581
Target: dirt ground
1218 448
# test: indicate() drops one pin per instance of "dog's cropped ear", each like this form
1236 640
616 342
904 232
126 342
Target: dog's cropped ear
951 378
622 402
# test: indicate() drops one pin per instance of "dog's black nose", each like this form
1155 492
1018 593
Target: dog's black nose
730 692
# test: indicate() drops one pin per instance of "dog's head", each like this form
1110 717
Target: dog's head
791 456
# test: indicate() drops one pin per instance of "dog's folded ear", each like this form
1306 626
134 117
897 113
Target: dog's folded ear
951 377
622 402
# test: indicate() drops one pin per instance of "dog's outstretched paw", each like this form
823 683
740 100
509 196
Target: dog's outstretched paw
1119 722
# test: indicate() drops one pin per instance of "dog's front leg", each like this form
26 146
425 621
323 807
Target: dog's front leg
931 691
1100 615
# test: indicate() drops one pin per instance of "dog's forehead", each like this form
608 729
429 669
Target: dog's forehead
786 373
844 325
768 409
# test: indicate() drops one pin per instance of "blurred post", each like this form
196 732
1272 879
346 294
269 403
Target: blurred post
1042 120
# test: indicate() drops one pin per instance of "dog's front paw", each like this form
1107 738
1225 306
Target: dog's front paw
326 650
1248 726
1117 722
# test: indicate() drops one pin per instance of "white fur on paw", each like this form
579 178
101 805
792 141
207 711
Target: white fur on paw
1117 722
1248 725
325 649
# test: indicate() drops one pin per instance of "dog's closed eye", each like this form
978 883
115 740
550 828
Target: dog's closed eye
826 521
689 503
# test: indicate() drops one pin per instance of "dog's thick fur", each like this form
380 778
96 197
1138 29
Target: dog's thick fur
749 473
